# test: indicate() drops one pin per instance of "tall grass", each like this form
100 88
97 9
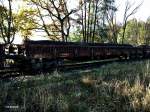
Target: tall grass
117 87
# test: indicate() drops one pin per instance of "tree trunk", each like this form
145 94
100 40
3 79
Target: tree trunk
89 19
95 18
84 40
123 35
62 31
9 22
85 21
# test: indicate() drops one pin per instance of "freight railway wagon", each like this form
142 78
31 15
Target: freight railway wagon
42 55
73 51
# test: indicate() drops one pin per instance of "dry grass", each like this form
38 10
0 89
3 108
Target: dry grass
116 87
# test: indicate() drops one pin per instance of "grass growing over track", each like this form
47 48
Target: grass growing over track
116 87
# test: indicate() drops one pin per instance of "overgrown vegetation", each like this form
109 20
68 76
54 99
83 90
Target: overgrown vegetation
112 88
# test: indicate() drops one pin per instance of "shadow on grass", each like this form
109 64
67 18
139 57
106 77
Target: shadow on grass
112 88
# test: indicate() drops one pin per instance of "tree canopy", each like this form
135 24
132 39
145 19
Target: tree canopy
91 21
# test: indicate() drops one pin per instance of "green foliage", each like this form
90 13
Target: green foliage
26 21
76 36
136 33
22 22
7 29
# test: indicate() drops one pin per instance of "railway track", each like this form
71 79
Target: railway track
93 64
9 73
85 65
